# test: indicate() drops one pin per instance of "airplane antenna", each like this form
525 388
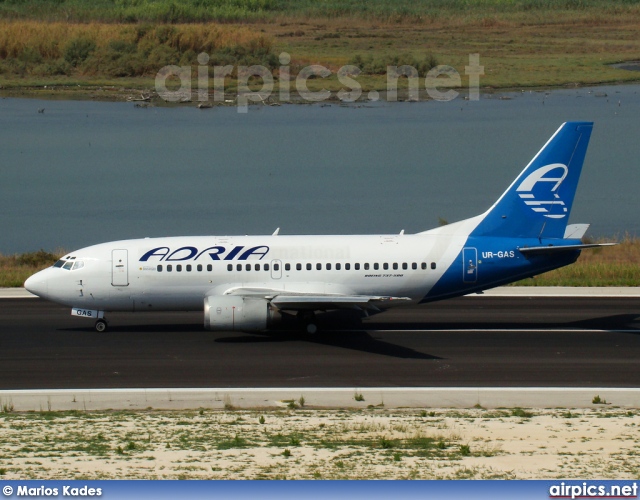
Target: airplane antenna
541 231
401 232
276 232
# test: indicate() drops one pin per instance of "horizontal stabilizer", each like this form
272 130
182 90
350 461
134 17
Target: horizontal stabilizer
560 248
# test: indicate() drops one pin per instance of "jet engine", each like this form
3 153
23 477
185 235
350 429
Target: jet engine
234 312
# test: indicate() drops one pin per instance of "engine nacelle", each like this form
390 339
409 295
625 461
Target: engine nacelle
234 312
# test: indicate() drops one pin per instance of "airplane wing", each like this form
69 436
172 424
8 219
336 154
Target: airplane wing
292 301
323 302
545 250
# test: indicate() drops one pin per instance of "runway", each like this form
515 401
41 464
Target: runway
479 341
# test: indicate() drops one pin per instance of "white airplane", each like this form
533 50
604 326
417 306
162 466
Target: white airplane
248 282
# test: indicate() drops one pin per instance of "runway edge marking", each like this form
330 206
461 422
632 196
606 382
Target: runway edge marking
318 397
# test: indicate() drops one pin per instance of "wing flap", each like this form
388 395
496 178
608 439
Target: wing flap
320 302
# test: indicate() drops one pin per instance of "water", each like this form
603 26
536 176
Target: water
85 172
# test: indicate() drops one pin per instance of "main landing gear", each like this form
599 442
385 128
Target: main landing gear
101 325
308 320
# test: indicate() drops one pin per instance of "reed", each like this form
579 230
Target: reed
15 269
59 48
415 11
609 266
49 39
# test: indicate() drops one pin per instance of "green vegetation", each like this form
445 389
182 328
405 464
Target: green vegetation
36 49
187 11
15 269
125 42
519 412
613 266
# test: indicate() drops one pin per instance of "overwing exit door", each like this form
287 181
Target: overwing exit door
276 269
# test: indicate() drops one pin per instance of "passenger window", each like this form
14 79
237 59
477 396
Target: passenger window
328 267
79 264
60 263
169 268
405 265
276 267
347 266
319 266
159 268
299 267
338 267
266 267
376 266
68 265
414 265
179 268
385 266
257 267
209 267
356 266
366 266
247 267
287 267
238 267
188 267
424 265
199 267
395 265
433 265
308 267
229 267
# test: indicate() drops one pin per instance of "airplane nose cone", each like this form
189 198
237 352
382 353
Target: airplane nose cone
36 285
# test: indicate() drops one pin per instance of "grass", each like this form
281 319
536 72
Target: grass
394 444
15 269
395 11
36 49
612 266
522 43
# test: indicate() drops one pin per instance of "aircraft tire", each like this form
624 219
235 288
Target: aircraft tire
101 326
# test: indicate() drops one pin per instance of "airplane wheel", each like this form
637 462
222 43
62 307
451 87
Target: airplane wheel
308 320
101 325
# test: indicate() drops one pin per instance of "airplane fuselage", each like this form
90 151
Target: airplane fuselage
177 273
248 282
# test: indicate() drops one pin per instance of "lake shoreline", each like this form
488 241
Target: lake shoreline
146 94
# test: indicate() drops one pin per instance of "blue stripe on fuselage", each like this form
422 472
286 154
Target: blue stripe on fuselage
498 262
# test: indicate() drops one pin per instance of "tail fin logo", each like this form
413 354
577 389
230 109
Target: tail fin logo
539 190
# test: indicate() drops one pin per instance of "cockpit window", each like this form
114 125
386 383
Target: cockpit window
60 263
68 265
78 264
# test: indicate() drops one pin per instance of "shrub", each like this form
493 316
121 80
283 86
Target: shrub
36 259
77 50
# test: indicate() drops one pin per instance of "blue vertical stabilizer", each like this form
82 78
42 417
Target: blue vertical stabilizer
538 203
